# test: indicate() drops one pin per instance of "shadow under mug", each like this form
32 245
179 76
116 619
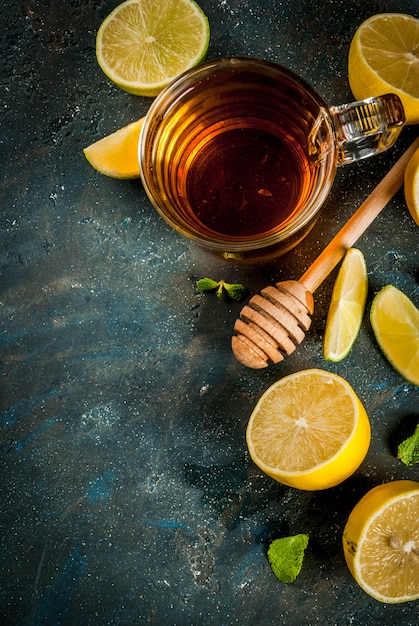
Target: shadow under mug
239 154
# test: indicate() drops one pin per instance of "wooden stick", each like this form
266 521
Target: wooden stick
358 223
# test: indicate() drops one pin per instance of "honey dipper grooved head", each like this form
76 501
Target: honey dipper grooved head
272 323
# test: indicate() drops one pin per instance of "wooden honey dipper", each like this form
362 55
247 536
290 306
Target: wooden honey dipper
272 323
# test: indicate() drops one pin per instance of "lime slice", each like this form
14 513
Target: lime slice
142 46
395 322
347 306
411 186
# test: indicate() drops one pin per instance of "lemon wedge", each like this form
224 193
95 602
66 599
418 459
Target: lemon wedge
395 322
411 186
117 154
347 306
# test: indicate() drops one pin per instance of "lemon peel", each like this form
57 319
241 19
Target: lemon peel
116 155
381 542
346 307
411 186
384 58
309 430
142 46
395 322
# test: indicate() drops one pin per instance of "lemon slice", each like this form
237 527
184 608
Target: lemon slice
395 322
309 430
347 306
381 542
142 46
411 186
384 58
117 154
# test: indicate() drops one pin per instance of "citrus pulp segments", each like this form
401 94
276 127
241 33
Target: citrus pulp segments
117 154
346 455
381 542
395 322
384 58
142 46
411 186
347 306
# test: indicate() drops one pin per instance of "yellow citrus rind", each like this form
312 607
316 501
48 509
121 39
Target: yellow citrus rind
411 186
346 307
309 430
381 542
143 46
395 322
117 154
384 58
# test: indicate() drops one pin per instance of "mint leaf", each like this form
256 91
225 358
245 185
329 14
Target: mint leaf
207 284
235 291
286 555
408 450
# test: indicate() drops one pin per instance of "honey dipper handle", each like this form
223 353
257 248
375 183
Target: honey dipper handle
358 223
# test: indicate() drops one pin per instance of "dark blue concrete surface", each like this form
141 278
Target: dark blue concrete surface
127 494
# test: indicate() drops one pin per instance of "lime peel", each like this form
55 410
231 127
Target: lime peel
286 556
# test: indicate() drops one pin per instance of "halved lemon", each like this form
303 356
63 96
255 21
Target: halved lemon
381 542
142 45
384 58
346 307
395 322
309 430
116 155
411 186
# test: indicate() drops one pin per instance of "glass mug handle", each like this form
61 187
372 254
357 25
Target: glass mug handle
366 127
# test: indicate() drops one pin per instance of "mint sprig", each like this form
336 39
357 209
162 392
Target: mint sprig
408 450
286 555
234 291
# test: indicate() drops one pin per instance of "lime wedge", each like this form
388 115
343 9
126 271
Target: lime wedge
142 46
347 306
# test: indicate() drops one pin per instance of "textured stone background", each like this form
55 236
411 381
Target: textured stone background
127 494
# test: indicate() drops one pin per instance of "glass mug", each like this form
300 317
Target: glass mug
239 154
